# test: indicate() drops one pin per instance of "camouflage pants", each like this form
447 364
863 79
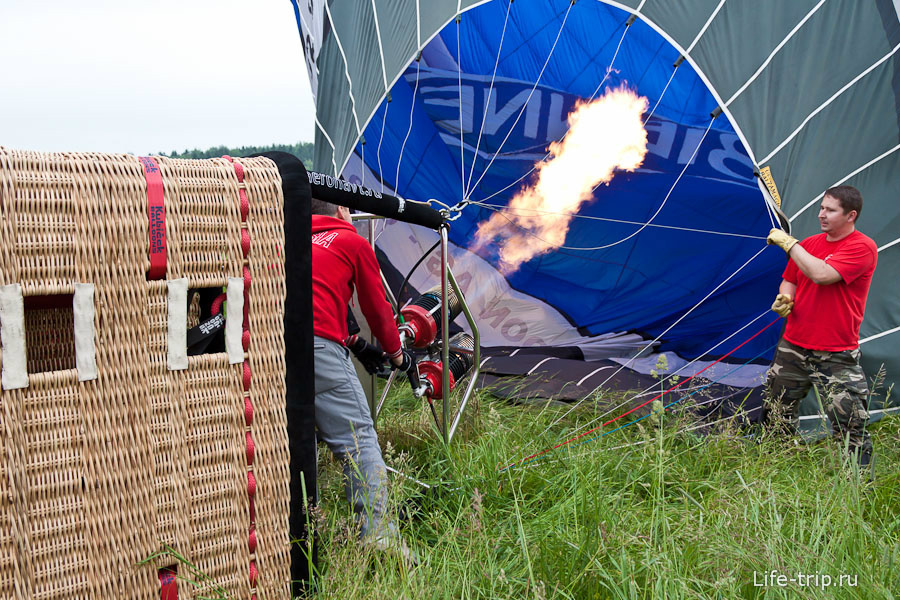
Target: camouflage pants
839 380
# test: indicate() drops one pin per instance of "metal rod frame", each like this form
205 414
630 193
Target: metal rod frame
447 279
375 406
445 336
476 366
373 386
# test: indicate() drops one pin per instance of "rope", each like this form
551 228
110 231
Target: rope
531 170
412 108
502 209
764 313
665 200
486 102
630 361
615 54
695 391
581 435
380 142
665 89
742 413
387 105
337 39
362 157
462 148
530 94
608 69
693 308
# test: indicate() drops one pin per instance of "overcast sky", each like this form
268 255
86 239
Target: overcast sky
150 77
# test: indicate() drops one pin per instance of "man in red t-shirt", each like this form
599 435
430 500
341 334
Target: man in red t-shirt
341 261
823 297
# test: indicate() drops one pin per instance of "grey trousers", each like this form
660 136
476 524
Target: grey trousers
344 423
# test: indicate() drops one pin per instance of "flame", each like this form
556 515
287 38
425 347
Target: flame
604 135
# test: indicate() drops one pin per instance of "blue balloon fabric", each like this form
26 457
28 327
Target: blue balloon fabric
683 237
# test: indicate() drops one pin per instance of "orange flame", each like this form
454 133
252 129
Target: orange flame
604 135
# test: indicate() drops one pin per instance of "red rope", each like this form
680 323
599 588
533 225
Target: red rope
589 431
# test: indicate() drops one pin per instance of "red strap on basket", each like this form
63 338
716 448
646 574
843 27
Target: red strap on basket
248 405
156 213
168 583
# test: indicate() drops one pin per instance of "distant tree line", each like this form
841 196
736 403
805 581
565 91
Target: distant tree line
302 150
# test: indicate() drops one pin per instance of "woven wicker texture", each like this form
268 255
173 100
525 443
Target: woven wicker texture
267 293
50 339
97 476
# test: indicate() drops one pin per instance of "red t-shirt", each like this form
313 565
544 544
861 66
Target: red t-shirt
827 317
342 259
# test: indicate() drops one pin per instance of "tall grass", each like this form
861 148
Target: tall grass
646 512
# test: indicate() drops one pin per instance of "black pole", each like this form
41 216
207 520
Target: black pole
300 392
341 192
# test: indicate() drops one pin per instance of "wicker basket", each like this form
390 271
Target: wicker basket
100 473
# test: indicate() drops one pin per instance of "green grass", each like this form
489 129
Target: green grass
674 515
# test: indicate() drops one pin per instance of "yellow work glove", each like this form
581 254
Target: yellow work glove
778 237
783 304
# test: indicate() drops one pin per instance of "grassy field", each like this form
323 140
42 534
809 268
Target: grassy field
646 512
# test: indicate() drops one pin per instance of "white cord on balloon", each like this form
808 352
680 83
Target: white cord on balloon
503 209
687 429
525 104
387 105
608 70
412 108
631 361
487 101
462 148
650 220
